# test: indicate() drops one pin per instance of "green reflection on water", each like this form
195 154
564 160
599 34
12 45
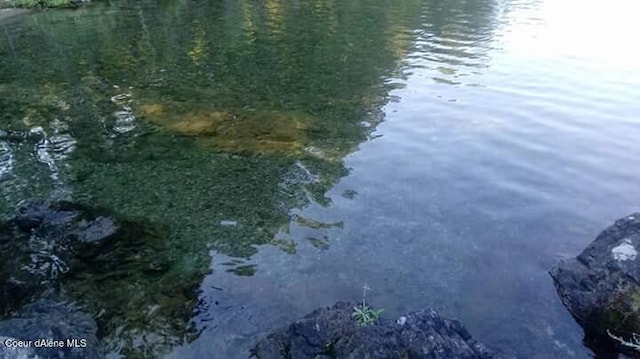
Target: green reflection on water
193 117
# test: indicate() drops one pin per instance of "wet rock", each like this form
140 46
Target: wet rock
34 135
601 286
46 242
121 271
42 326
333 333
38 244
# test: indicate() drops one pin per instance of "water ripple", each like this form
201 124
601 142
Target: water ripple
125 119
7 160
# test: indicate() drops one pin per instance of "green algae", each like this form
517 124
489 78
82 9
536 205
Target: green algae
622 313
314 224
319 243
236 131
287 245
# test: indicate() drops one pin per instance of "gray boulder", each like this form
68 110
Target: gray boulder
601 287
333 333
40 324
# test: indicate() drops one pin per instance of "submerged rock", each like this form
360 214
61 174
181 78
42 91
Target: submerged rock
47 243
601 287
333 333
121 271
41 243
33 135
44 327
236 131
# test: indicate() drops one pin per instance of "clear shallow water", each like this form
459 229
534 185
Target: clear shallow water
447 154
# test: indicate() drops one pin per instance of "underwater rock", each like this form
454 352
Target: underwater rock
120 271
333 333
48 322
45 242
235 131
601 286
34 135
42 242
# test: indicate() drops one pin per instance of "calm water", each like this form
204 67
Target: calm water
445 153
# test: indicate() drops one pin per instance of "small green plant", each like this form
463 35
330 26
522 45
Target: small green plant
364 314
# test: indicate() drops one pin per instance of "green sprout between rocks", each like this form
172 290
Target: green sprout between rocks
364 314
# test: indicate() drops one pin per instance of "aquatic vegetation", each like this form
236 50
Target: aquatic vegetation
313 224
349 193
244 270
319 243
287 245
365 315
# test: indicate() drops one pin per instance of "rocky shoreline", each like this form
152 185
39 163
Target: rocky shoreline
52 249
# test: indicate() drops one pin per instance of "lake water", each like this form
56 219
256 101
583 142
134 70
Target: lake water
444 153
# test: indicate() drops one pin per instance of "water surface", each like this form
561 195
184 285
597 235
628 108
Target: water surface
445 153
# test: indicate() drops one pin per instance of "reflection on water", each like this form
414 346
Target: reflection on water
6 160
212 120
251 135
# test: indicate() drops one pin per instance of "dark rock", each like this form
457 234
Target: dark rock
121 271
19 136
50 320
601 287
41 243
47 242
333 333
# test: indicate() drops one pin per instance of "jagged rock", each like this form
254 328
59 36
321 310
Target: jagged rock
333 333
601 287
50 320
